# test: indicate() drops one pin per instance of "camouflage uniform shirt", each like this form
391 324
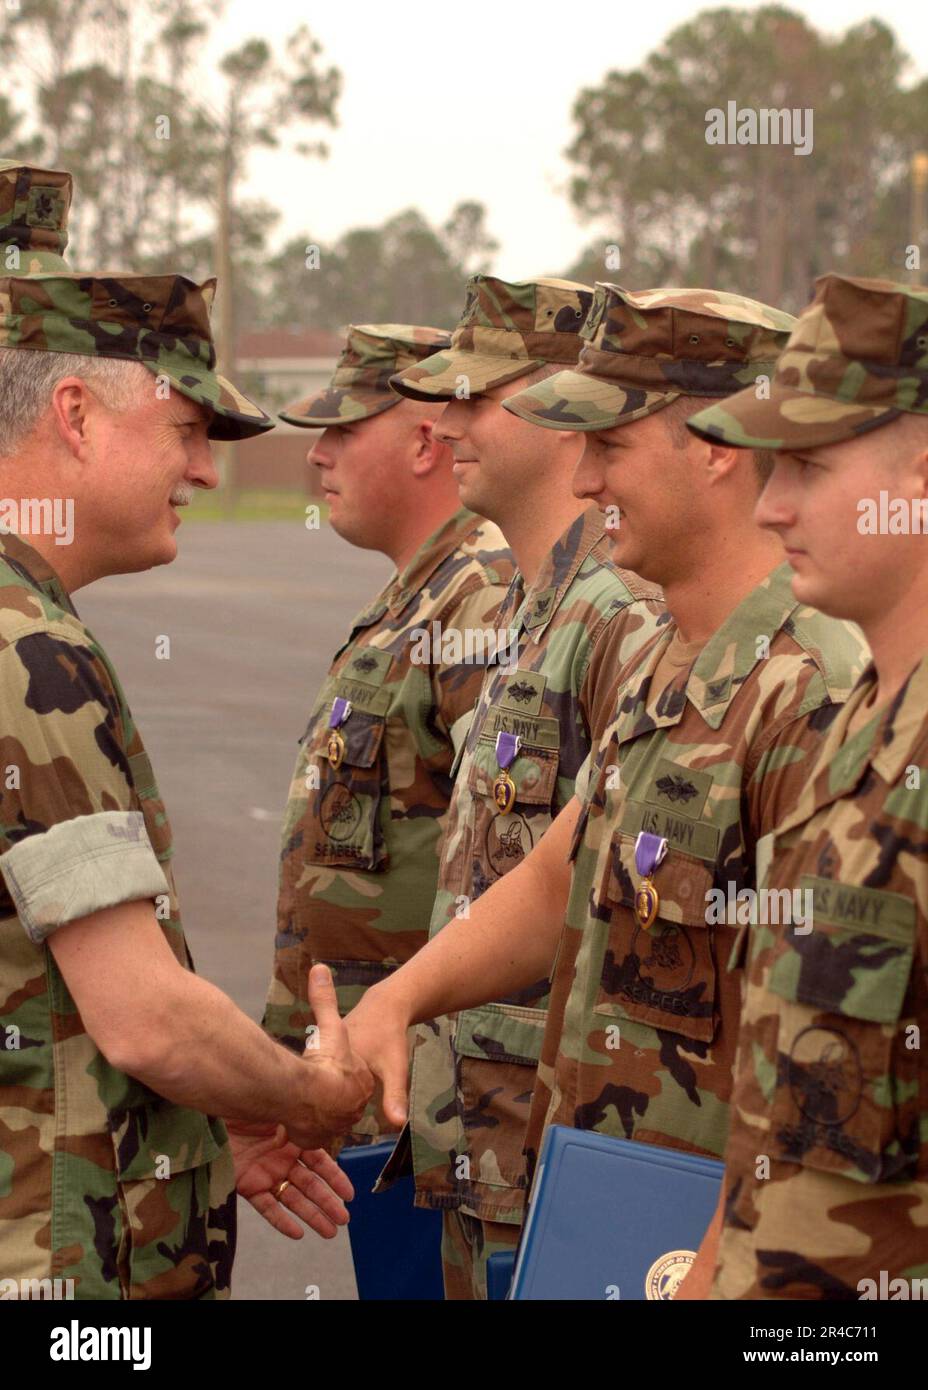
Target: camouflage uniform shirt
359 856
642 1027
472 1080
105 1182
831 1085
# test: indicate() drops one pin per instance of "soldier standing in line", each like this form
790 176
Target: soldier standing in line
372 782
827 1158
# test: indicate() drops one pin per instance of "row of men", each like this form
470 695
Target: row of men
652 500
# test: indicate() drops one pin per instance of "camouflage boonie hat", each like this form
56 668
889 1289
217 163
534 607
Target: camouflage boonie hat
359 386
34 207
857 359
161 321
645 349
507 329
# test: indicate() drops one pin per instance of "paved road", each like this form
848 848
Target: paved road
253 612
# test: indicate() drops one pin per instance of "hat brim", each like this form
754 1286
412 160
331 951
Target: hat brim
787 419
337 406
234 416
578 401
438 377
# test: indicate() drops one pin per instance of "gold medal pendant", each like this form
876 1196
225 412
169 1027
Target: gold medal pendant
335 749
647 903
504 793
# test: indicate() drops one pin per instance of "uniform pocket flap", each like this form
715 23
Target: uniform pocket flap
534 772
160 1139
363 735
857 958
501 1033
682 882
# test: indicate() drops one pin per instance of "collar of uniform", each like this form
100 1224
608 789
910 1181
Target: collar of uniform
404 587
558 571
730 654
886 744
642 709
905 720
33 567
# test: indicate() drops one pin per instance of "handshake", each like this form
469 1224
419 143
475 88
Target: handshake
348 1059
285 1171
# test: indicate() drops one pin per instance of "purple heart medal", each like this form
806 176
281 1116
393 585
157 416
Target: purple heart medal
335 748
504 788
649 853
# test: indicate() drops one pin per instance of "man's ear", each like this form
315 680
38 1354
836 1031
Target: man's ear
70 404
720 460
428 452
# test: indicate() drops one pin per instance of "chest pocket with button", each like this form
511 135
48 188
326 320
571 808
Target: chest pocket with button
502 840
665 975
341 824
847 1079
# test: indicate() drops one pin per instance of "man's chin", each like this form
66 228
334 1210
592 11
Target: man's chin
162 554
342 527
474 500
139 559
623 552
814 591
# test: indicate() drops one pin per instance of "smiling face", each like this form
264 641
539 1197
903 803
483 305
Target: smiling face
816 500
139 465
645 478
498 457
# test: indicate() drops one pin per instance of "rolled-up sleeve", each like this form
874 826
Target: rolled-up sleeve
72 834
78 867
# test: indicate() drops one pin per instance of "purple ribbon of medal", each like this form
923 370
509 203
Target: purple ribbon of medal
335 748
504 788
649 853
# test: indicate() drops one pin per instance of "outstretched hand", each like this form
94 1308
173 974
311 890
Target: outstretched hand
286 1185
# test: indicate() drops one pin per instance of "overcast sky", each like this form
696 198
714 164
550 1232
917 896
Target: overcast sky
443 102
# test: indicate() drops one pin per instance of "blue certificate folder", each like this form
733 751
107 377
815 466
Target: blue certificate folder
612 1219
396 1247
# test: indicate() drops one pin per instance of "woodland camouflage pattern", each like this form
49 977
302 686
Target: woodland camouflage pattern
34 207
642 1025
830 1081
466 1246
161 321
84 1194
644 350
359 856
856 358
578 623
360 383
507 329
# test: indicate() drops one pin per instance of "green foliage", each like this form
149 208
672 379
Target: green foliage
106 74
403 271
757 219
